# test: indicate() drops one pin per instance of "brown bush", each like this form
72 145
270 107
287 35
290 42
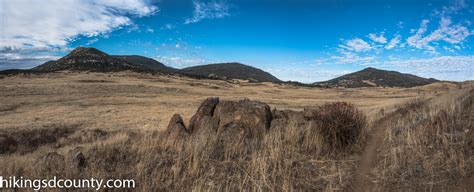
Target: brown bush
337 126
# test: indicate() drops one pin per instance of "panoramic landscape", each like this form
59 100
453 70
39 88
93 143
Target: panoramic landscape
155 96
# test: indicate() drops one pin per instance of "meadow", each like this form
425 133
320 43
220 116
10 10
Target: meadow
408 139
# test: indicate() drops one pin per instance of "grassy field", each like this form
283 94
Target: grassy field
146 102
116 120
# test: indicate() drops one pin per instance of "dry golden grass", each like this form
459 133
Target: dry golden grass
429 145
284 159
147 102
116 120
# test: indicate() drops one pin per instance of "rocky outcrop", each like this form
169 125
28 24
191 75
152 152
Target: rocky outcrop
203 116
334 126
229 119
175 130
253 118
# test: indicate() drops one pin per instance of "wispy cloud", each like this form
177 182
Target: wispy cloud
23 59
356 45
304 74
168 26
443 67
453 8
446 32
352 58
210 10
378 38
182 62
456 68
53 24
453 35
394 42
429 38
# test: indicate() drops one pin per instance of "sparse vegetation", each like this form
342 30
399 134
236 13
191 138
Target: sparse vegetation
282 160
116 123
429 145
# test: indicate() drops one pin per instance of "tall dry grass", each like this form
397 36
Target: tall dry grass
285 159
429 145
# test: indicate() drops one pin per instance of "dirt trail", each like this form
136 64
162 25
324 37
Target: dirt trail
368 158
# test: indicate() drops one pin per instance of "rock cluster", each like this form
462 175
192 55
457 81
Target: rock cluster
245 118
336 125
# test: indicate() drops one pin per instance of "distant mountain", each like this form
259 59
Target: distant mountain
146 63
91 59
87 59
230 71
372 77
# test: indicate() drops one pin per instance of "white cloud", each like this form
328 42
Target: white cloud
305 74
378 38
357 45
181 62
416 39
446 32
453 8
168 26
53 23
457 68
401 24
13 59
349 57
211 10
394 42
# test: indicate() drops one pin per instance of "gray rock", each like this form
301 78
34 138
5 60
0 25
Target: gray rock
203 116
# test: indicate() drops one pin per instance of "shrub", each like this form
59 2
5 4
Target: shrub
338 126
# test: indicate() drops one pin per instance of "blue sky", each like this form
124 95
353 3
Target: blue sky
300 40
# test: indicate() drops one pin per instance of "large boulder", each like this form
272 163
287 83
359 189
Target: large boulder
203 116
7 144
175 130
252 118
232 118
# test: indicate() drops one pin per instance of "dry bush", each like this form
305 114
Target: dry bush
427 144
337 126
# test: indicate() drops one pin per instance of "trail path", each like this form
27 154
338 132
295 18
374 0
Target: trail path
361 181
